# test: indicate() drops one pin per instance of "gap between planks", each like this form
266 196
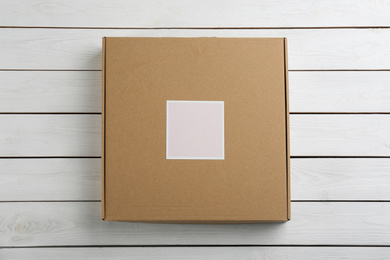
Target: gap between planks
98 201
99 113
302 70
191 245
197 28
99 157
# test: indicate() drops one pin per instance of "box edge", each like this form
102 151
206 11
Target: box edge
103 149
287 130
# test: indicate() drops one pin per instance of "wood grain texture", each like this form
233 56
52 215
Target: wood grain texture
50 135
80 91
340 135
50 91
339 91
211 13
200 253
50 179
79 179
340 179
79 135
308 49
71 223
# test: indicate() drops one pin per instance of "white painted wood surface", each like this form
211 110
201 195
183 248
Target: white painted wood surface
79 223
339 91
50 179
71 49
50 91
314 179
336 179
50 62
50 135
340 135
199 253
201 13
80 91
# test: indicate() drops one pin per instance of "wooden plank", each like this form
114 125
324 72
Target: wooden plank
340 179
80 91
79 135
79 179
341 91
50 135
308 49
216 253
340 135
79 223
211 13
50 91
49 179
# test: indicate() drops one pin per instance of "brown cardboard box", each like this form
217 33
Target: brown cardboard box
239 175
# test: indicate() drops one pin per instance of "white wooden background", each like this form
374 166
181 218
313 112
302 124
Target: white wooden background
50 91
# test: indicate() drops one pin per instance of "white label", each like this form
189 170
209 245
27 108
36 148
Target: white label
195 130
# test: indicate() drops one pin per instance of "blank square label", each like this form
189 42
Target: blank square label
195 130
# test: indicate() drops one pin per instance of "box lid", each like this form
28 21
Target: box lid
247 77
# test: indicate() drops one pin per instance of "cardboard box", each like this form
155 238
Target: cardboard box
195 130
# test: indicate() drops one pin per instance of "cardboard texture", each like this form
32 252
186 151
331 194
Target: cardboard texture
249 184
